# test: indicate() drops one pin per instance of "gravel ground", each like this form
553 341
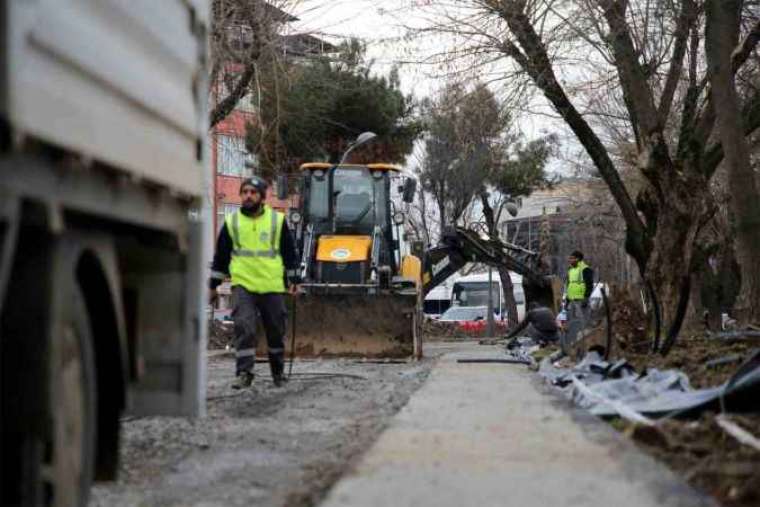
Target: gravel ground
264 446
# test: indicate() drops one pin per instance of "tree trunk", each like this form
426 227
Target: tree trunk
695 314
508 293
711 290
669 266
507 289
702 300
721 37
442 217
423 217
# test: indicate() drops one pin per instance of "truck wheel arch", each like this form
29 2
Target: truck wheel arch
98 277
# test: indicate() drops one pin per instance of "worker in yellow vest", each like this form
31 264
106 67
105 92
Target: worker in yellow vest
256 250
580 284
580 280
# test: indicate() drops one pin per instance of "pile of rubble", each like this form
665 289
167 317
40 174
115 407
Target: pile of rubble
696 408
628 322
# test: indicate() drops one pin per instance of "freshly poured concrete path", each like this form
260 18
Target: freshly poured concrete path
493 435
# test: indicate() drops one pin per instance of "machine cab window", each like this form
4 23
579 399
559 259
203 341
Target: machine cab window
353 200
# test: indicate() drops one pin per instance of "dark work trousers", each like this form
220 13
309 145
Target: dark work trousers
577 318
247 307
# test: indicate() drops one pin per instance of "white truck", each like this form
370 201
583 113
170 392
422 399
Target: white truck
102 246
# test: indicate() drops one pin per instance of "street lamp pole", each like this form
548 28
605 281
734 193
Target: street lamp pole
363 138
490 304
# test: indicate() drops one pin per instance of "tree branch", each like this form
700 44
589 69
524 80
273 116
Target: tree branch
686 19
226 105
690 102
536 63
750 120
706 120
745 48
632 76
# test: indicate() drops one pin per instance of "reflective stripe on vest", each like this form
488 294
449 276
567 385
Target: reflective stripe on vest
576 287
270 252
256 264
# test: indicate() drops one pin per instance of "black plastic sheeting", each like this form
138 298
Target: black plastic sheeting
610 389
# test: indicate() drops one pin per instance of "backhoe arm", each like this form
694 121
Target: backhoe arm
459 246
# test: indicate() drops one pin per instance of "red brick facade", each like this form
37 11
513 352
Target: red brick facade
227 187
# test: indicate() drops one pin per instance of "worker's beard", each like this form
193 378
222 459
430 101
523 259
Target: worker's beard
250 208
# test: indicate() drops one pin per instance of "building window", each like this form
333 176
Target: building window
231 156
222 210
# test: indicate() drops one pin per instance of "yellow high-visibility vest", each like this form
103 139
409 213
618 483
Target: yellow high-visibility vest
256 262
576 287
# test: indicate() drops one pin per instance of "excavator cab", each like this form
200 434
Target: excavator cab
346 235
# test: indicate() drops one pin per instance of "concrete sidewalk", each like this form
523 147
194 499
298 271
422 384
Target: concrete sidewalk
493 435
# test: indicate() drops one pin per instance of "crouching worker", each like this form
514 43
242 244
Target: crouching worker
539 323
256 249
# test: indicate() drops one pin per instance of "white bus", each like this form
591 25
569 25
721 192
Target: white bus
472 290
437 301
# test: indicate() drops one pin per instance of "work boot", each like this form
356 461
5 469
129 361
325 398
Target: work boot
243 380
277 367
279 379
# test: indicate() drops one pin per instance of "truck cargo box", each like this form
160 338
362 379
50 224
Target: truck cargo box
120 82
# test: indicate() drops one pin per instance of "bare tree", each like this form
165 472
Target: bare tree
646 55
244 33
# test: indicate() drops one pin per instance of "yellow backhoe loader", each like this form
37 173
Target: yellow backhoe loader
363 285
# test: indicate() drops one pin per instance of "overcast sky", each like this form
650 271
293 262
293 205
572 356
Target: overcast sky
376 22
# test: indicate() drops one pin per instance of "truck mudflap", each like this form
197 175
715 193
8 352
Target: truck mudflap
355 325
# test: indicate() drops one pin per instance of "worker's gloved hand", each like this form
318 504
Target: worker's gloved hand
584 304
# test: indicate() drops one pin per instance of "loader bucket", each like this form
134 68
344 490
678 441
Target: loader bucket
371 326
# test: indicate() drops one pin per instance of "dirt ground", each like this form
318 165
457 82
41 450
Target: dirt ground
691 355
699 450
706 456
276 447
265 446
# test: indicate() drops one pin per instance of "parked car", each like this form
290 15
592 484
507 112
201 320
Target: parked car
471 318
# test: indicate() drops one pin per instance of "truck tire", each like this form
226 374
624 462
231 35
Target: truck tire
67 471
49 384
